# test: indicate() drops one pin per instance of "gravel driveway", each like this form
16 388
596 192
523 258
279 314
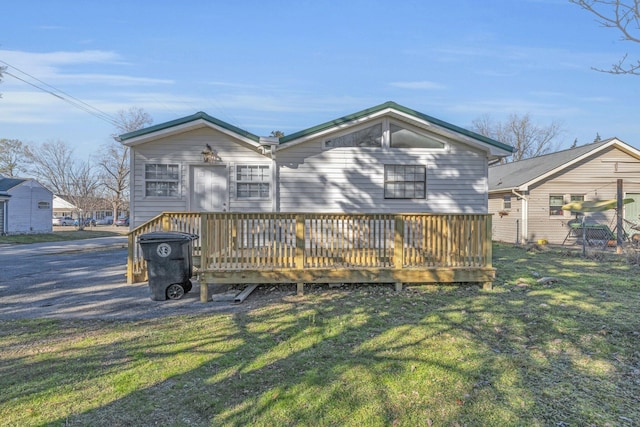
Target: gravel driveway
86 280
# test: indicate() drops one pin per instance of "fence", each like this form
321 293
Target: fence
329 248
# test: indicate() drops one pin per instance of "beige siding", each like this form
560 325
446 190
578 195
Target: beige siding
352 179
506 228
595 178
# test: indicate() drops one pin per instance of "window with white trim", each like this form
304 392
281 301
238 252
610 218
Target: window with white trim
405 138
253 181
44 205
405 181
555 205
577 198
161 180
368 137
506 203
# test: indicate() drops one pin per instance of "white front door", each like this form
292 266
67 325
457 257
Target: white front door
209 188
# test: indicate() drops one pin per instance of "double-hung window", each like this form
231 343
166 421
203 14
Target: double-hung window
555 205
506 203
405 181
162 180
253 181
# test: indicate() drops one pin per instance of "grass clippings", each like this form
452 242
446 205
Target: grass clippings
558 353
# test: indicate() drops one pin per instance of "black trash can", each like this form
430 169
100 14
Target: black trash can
169 263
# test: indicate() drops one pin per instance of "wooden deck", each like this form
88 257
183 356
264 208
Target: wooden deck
301 248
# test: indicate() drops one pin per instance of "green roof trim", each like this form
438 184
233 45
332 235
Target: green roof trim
318 128
398 107
177 122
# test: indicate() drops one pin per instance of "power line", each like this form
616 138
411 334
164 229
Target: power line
53 91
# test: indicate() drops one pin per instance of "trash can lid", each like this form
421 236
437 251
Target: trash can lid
164 236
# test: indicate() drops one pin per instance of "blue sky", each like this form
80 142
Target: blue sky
289 65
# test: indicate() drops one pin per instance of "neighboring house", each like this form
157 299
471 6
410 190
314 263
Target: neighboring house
387 158
62 207
25 206
526 197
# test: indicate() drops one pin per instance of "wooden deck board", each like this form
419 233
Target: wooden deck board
330 248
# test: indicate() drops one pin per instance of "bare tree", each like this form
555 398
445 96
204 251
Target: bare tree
115 158
623 16
133 119
12 158
52 164
527 138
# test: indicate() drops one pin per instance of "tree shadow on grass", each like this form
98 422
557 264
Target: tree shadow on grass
560 354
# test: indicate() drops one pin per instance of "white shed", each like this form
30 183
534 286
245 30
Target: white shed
25 206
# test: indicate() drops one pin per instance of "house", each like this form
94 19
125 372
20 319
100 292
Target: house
383 159
25 206
61 207
101 211
526 197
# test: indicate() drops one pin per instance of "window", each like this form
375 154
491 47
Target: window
405 138
253 181
405 181
555 205
44 205
367 137
506 202
162 180
577 197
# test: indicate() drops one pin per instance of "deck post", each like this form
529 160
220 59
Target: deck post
205 244
166 224
300 242
488 242
488 252
131 241
398 247
398 242
300 289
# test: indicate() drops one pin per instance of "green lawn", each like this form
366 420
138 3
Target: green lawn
561 354
66 233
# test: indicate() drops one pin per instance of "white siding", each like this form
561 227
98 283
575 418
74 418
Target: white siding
308 177
185 149
23 214
352 179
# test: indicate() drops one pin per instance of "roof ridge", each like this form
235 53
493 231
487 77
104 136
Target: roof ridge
200 115
598 143
391 104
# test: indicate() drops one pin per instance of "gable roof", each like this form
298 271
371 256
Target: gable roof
387 107
524 173
202 119
7 184
199 119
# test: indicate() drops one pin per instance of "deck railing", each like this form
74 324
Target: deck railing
311 247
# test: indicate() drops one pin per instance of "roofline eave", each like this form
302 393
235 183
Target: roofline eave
184 127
